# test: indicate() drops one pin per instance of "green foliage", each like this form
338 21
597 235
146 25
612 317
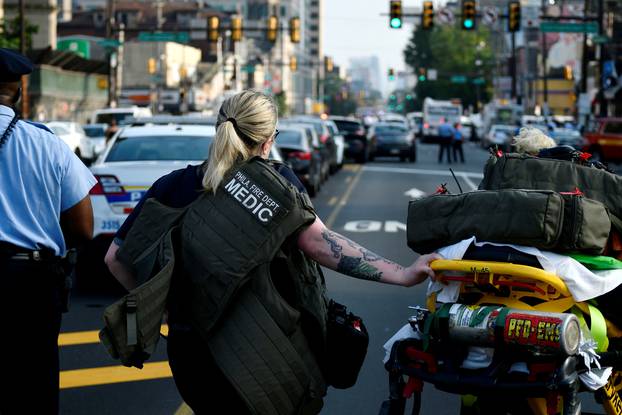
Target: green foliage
281 103
9 33
451 51
338 97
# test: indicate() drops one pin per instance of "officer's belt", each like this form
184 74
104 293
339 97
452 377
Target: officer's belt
16 253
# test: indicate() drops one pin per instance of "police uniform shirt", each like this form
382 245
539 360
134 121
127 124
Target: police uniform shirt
40 177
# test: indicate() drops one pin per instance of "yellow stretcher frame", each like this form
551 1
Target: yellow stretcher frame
557 298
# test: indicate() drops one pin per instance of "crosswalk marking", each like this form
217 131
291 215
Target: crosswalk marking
113 374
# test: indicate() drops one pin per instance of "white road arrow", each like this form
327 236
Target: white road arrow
415 193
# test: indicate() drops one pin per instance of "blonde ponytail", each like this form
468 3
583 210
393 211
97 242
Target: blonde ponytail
245 122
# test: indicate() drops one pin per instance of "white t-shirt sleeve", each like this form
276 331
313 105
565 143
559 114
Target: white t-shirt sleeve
76 182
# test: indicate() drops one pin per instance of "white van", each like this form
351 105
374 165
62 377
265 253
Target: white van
105 115
434 111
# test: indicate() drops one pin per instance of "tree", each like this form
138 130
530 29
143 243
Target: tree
452 52
10 36
281 103
338 97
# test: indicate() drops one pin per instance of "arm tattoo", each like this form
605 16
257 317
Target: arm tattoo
335 248
358 267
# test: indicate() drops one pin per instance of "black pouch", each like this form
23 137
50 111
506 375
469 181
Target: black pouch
347 342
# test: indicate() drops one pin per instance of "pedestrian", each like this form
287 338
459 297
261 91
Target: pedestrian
111 130
445 137
457 142
245 133
44 208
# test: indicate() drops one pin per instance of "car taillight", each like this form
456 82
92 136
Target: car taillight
301 155
426 125
107 185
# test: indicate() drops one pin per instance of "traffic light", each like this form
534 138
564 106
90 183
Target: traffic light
293 63
422 74
273 28
152 66
294 29
213 28
391 74
395 14
468 14
328 64
427 18
568 75
514 16
236 29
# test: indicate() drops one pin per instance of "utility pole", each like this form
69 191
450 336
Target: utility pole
545 103
118 82
22 48
513 68
112 58
583 86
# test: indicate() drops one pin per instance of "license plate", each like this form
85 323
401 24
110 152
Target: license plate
110 225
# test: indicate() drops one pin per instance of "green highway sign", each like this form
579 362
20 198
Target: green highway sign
248 68
458 79
109 43
80 47
479 81
180 37
563 27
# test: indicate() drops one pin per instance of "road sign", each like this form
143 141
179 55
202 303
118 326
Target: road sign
490 15
432 74
109 43
180 37
479 81
563 27
248 68
600 39
458 79
81 47
446 16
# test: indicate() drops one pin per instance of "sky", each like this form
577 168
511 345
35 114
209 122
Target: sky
355 28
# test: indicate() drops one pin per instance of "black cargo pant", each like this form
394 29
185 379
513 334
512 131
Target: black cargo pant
444 146
30 306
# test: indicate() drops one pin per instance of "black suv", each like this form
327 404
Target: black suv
356 144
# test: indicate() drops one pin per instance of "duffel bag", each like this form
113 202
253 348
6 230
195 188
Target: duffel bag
539 218
521 171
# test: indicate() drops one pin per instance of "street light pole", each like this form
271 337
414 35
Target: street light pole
545 103
22 48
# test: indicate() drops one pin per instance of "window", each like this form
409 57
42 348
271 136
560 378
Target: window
160 148
612 127
288 138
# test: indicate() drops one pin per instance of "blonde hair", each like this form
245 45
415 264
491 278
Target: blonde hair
531 140
245 121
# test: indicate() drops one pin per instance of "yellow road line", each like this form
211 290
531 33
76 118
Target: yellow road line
87 337
344 199
113 374
184 410
332 201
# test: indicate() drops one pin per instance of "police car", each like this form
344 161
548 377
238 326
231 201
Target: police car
134 159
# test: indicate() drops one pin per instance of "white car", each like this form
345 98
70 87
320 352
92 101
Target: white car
135 158
97 134
75 137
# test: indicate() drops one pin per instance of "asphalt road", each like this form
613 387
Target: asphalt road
367 204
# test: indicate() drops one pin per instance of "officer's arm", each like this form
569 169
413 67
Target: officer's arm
340 254
77 223
116 267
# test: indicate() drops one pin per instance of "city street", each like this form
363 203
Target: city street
367 203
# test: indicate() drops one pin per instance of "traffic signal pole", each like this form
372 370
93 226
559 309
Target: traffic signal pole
513 70
545 100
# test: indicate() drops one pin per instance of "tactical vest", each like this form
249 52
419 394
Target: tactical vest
229 247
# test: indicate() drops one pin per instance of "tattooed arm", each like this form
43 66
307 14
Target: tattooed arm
343 255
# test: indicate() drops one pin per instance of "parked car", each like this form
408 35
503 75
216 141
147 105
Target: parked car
97 134
357 145
569 137
106 115
74 136
393 139
297 149
604 136
416 121
326 138
313 135
500 135
339 142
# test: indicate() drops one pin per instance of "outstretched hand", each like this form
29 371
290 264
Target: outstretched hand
420 270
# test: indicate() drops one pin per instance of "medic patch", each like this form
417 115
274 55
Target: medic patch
252 197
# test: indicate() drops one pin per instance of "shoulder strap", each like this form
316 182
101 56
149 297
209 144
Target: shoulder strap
9 130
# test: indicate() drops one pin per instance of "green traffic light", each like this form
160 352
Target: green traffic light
422 77
468 24
409 97
396 23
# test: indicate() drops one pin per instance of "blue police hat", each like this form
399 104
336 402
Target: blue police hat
13 65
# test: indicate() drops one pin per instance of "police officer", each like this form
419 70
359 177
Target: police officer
44 207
